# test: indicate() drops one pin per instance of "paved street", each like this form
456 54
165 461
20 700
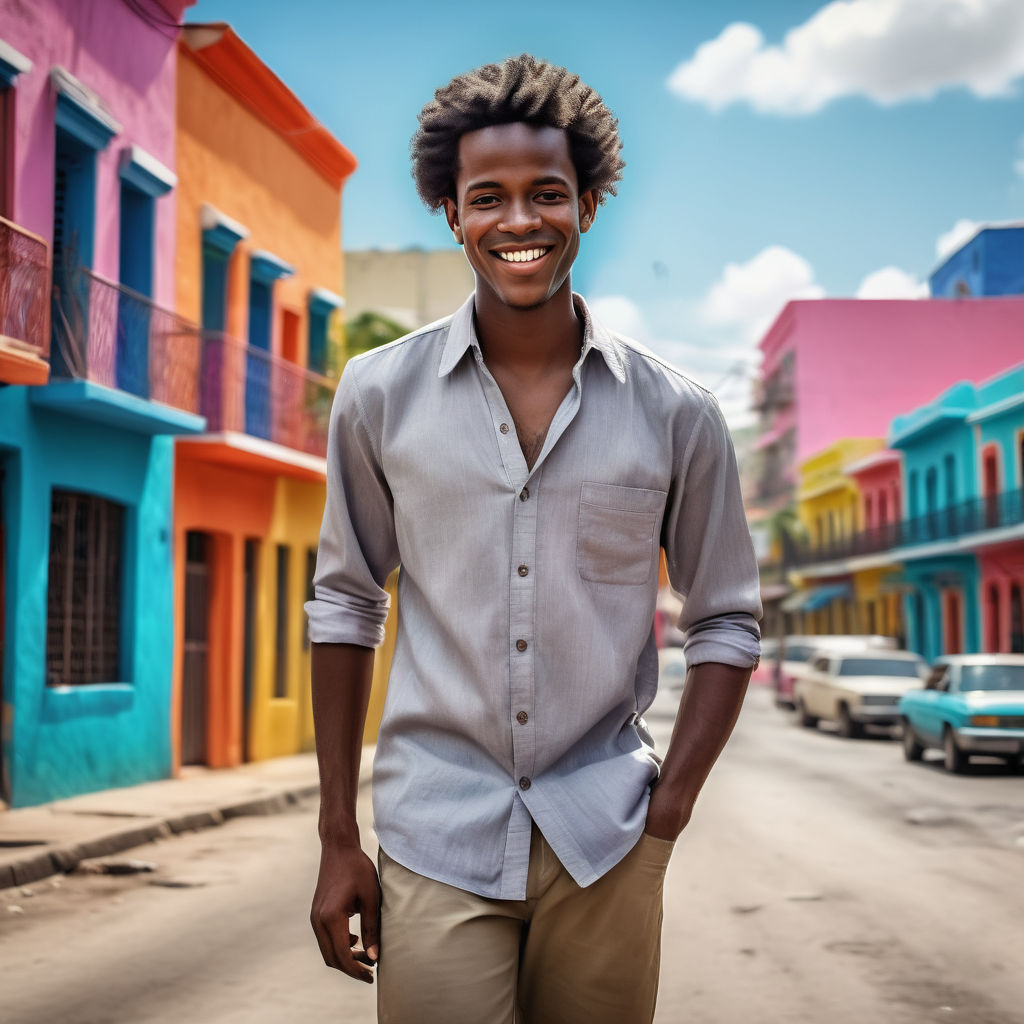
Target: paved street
822 880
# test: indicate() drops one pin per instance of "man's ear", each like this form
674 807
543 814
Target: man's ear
588 209
451 213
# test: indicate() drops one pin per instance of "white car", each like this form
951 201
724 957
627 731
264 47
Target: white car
856 688
796 651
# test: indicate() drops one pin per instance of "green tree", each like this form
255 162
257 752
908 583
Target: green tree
370 330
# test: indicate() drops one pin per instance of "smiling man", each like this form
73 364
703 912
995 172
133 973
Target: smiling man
524 466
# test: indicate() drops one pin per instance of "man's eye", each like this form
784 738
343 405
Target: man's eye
550 197
484 201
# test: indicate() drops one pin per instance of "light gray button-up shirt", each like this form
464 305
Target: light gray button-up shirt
525 646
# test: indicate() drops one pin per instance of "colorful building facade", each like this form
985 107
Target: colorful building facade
93 397
990 262
259 267
955 555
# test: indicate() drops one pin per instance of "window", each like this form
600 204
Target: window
83 614
912 496
321 304
281 636
949 471
290 336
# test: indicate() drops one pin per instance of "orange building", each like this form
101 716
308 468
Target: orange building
259 266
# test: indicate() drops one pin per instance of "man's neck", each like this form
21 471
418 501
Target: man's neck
529 341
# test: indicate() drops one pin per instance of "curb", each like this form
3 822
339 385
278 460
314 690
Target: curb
57 860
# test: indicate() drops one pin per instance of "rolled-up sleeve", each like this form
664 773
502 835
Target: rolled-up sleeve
358 549
708 550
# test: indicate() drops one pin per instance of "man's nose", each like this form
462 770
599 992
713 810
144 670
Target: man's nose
520 217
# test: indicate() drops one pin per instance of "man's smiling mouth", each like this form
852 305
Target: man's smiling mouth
523 255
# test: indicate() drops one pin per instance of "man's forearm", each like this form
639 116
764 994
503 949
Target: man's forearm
707 713
341 678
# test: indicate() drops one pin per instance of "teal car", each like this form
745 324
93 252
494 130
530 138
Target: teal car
972 704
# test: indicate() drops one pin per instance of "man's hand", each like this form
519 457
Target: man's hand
347 885
666 818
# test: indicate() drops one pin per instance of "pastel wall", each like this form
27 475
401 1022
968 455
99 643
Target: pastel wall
860 362
74 739
131 66
230 158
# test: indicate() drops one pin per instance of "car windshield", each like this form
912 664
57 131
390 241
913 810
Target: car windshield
878 667
992 677
797 652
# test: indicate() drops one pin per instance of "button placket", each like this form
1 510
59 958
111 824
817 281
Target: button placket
522 632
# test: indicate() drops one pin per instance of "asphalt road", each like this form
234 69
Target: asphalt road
822 880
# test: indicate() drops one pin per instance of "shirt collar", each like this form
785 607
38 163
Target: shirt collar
462 336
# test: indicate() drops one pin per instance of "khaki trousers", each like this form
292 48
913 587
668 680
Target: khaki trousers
564 955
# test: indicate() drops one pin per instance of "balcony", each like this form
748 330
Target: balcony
950 524
24 306
248 390
110 335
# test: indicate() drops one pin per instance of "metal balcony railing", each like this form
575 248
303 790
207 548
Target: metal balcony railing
109 334
24 290
960 520
249 390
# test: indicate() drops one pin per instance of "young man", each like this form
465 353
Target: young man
524 466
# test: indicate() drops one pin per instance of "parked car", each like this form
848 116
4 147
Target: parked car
856 688
796 650
974 704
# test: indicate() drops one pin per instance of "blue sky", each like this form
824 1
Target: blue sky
774 148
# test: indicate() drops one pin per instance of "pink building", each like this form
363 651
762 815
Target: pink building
878 481
835 368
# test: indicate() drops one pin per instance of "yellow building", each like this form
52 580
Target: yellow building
830 510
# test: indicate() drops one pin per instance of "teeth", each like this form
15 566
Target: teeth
522 255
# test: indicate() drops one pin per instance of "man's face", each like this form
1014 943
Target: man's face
518 211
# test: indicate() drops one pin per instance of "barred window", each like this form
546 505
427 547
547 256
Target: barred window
83 621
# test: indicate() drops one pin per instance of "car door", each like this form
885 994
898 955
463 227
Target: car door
929 721
817 703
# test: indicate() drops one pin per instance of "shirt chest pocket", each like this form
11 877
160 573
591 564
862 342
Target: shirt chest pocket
617 534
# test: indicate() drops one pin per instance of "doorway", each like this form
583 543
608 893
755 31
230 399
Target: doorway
195 671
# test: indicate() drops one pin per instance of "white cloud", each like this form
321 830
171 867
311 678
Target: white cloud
952 239
891 283
621 314
888 50
750 295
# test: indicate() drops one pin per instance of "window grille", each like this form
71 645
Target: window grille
83 623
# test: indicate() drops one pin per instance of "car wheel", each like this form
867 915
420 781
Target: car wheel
806 720
912 749
848 728
955 759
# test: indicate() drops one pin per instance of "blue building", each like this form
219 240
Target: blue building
990 262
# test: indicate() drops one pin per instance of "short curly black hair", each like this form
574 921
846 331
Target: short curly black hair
518 89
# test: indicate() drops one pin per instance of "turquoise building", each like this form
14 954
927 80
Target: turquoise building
962 542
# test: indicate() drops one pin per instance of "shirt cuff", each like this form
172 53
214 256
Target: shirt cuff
735 641
340 619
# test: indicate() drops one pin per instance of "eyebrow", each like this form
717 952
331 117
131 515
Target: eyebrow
549 180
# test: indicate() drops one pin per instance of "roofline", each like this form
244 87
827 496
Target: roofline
229 61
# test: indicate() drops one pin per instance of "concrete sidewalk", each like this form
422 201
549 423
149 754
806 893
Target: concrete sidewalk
36 842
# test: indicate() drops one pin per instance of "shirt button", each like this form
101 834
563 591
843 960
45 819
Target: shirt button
524 570
524 783
522 718
521 645
504 428
524 494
